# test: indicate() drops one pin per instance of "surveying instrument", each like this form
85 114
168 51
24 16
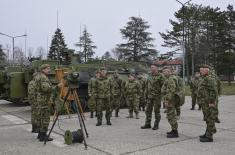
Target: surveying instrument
72 80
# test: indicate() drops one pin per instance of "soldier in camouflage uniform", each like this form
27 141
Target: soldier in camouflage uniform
153 94
102 95
32 96
207 98
169 89
219 91
43 89
142 83
91 90
117 86
194 87
132 91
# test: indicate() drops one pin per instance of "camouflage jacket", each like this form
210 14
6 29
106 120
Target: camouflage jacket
142 83
217 82
132 90
207 92
103 88
194 85
169 89
91 86
32 94
153 85
117 86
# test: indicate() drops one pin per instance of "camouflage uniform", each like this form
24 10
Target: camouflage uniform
32 96
43 89
142 83
102 95
117 86
207 95
91 101
153 92
194 87
132 91
169 90
180 88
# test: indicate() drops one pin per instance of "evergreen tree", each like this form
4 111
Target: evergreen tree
58 49
139 41
2 55
86 45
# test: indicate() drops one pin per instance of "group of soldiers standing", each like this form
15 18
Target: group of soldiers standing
105 93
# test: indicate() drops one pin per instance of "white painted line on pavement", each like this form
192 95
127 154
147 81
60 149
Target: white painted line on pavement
14 119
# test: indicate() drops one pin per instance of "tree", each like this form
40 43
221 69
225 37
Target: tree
86 45
19 55
40 52
139 41
2 55
30 52
118 55
106 56
58 49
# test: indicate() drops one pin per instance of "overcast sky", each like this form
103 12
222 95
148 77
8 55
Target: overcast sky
103 19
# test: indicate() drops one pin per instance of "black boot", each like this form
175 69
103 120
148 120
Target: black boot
33 128
206 139
169 132
109 123
146 126
202 136
91 116
98 123
199 108
193 107
155 127
116 113
173 134
143 108
217 120
44 137
39 135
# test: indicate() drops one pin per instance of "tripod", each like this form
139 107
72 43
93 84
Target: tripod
73 92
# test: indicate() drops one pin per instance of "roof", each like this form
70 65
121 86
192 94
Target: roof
176 61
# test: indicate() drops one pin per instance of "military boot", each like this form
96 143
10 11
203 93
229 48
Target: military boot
99 123
39 135
155 127
193 107
92 115
146 126
199 108
173 134
130 115
108 122
44 137
34 128
169 132
143 108
206 139
137 116
116 113
217 120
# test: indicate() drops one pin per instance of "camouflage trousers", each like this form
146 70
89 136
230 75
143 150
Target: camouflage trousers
34 114
133 105
142 101
103 104
92 104
178 109
194 99
116 103
209 116
217 109
171 115
153 103
44 118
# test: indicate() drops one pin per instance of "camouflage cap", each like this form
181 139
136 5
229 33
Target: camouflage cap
44 66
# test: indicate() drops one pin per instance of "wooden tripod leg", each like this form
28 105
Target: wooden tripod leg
54 116
67 108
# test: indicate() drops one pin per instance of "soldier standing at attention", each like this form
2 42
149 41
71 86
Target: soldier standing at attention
102 95
43 89
91 90
194 87
32 96
153 93
117 85
132 91
168 94
142 83
207 98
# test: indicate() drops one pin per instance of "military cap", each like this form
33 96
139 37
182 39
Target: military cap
34 74
44 66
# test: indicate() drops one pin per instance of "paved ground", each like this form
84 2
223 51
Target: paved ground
123 137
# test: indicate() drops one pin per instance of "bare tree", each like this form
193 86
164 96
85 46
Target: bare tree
30 52
40 51
19 55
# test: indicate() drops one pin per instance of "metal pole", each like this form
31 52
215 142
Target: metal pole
13 48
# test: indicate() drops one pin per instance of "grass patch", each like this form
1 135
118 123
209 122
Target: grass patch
226 89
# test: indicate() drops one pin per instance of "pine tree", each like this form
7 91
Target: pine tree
58 49
86 45
139 41
2 55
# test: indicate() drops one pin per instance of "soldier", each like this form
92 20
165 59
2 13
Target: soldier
153 92
219 91
102 95
142 83
169 89
32 96
207 98
194 87
117 85
91 87
132 91
43 89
